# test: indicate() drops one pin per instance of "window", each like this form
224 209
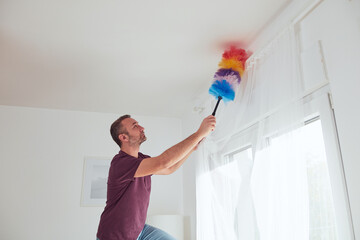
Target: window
234 202
294 185
322 224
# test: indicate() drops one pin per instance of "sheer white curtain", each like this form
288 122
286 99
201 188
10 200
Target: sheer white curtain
262 196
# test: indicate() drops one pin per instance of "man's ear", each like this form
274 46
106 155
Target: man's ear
123 137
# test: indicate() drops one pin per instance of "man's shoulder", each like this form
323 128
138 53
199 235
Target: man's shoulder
124 156
123 160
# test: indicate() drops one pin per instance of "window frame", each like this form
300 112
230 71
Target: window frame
321 108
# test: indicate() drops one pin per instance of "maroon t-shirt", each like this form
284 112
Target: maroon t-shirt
127 200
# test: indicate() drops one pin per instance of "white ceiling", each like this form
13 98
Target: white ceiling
141 57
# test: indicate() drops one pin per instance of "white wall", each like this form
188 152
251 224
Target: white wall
41 167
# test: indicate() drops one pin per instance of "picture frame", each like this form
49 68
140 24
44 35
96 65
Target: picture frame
95 175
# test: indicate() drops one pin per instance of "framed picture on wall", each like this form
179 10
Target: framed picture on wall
95 175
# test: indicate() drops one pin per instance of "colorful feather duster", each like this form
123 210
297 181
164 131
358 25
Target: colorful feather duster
229 75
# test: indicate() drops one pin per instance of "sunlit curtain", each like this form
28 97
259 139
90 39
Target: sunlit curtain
251 181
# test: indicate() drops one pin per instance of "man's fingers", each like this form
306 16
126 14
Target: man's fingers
210 117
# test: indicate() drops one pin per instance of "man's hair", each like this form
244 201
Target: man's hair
117 128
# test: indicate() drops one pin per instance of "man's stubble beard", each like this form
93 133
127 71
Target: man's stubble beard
139 141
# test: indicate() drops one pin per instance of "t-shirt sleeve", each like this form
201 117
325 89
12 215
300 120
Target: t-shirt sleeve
124 169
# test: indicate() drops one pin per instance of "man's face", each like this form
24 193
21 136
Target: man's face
136 132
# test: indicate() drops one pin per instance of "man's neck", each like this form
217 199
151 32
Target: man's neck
132 151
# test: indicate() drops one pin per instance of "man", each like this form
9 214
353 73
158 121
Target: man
129 181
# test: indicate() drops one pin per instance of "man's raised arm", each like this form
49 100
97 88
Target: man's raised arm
177 152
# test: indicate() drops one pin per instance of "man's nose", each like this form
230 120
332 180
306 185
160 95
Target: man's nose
141 128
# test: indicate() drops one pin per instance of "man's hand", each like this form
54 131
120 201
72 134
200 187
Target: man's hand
207 125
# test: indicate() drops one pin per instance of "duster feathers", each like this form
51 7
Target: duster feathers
229 75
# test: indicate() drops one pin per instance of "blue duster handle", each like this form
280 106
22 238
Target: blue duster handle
217 104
